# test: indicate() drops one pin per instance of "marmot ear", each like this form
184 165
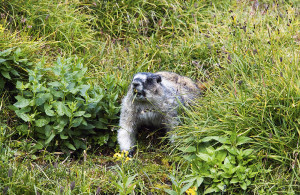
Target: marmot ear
158 78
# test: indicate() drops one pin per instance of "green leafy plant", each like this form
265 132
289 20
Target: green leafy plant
61 111
217 164
125 184
13 64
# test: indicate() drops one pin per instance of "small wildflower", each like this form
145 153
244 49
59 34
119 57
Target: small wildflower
61 190
191 191
23 20
127 159
1 29
98 191
29 26
72 185
123 156
125 153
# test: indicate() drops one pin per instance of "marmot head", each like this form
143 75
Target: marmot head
146 86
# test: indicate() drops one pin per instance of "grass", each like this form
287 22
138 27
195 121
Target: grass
248 52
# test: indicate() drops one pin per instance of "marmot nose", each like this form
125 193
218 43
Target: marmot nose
135 85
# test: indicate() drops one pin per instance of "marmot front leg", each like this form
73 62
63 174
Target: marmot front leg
126 133
126 138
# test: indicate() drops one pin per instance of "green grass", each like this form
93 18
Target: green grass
248 53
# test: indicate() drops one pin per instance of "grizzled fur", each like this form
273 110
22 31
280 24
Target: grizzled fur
152 100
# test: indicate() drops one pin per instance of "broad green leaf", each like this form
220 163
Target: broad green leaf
62 122
221 186
14 72
187 149
88 115
247 152
5 74
76 122
5 52
79 113
87 126
210 150
221 155
233 150
199 181
62 136
204 156
100 125
22 102
50 138
189 157
58 94
23 129
19 85
50 112
48 130
190 178
185 187
69 145
84 89
79 144
171 192
223 140
231 158
235 180
243 186
59 108
22 115
55 84
38 146
42 98
210 190
41 122
242 140
66 110
18 52
71 86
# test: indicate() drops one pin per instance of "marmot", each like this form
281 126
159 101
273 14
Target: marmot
152 100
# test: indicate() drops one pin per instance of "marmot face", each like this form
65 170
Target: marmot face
145 87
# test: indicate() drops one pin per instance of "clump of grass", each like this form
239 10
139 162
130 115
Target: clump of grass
63 26
255 92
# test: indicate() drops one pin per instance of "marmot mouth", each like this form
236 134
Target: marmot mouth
139 94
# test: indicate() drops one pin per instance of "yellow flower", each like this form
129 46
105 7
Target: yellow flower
127 159
125 153
191 191
1 29
123 156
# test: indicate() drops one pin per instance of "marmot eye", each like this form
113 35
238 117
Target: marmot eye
158 79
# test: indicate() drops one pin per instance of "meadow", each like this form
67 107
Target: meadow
65 66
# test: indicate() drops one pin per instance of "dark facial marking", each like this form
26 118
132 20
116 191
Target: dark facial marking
149 80
158 78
